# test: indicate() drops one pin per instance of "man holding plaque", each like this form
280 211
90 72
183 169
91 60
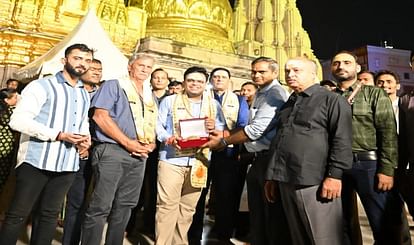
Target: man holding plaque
256 137
184 123
124 115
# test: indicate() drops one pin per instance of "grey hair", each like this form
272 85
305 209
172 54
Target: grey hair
138 56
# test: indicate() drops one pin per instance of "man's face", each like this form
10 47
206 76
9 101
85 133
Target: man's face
194 84
344 67
220 80
248 91
366 79
262 74
77 62
176 89
388 83
141 69
159 80
13 85
299 74
94 74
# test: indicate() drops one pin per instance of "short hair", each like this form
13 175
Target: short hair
387 72
327 82
157 70
368 72
82 47
220 69
272 63
250 83
196 69
347 52
138 56
96 61
10 80
174 83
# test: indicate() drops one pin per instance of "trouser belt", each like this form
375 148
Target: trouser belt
365 156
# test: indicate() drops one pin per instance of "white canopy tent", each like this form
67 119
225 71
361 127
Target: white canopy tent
90 32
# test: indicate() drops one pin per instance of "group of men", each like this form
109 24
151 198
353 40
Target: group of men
310 152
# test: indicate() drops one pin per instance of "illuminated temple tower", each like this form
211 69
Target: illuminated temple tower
180 33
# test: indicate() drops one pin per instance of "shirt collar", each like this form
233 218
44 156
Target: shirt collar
61 79
267 87
310 90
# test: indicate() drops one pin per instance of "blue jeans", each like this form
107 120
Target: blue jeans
379 205
76 204
33 185
118 180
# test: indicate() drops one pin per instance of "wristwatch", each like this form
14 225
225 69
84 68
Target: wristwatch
223 142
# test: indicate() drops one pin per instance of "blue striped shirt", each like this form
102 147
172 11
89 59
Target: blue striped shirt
48 106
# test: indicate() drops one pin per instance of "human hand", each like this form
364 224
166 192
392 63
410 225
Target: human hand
73 138
385 182
271 191
331 188
210 124
173 141
214 140
137 148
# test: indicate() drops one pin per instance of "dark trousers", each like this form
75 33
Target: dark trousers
383 209
118 180
229 176
76 204
33 185
258 206
310 219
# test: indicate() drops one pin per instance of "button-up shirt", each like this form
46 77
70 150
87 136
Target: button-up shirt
373 126
48 106
313 138
260 129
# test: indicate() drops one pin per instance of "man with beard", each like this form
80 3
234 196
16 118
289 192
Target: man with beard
123 114
52 117
374 148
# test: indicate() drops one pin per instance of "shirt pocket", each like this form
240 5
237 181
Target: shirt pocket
361 108
304 117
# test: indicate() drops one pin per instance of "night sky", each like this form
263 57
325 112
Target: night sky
335 25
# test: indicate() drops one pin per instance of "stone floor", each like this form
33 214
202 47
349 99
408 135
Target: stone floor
208 240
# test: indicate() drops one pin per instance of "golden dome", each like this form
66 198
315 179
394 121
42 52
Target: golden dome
204 23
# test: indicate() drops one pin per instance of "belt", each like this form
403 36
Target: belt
365 156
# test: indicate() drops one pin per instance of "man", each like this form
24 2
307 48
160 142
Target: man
390 82
175 87
311 150
148 198
124 118
248 90
12 83
374 148
76 196
53 119
256 137
406 146
182 172
159 82
367 78
225 171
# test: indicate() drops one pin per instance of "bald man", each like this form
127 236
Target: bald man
311 150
